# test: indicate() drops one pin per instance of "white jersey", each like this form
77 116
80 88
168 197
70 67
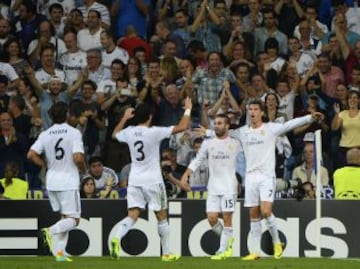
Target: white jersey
144 144
87 41
44 77
259 144
117 53
286 105
72 64
107 173
58 43
221 155
59 143
107 87
8 71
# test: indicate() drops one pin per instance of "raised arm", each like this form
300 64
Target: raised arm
185 120
297 122
129 113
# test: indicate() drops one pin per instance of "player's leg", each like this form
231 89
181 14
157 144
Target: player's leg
252 200
228 203
157 200
267 192
70 208
213 208
136 203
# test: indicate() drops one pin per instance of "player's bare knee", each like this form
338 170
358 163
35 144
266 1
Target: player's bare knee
266 213
212 219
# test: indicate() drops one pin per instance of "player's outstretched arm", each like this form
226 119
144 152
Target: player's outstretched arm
129 113
298 122
185 120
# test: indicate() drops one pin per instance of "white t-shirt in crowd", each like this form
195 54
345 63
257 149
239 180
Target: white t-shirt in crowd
87 41
8 71
117 53
72 64
44 77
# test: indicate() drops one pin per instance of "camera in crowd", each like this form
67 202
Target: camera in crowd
294 188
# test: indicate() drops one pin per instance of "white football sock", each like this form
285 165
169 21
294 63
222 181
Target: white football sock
63 225
218 228
255 236
226 234
164 233
272 227
62 241
125 226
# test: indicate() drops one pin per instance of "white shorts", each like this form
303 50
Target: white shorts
153 195
66 202
259 188
221 203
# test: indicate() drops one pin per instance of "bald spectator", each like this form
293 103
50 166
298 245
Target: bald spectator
132 40
347 179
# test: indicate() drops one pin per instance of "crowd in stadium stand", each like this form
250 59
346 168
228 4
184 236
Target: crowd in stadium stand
100 57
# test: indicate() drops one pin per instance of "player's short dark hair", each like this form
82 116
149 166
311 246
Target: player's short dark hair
223 116
91 83
198 140
95 159
258 102
58 112
142 113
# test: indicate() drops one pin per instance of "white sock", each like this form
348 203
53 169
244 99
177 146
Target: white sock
272 227
226 234
255 236
218 228
125 226
164 233
62 241
63 225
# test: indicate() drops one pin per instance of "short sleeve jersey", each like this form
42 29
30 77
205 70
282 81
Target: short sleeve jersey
59 143
144 144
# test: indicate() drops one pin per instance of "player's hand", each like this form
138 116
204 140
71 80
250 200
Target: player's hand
188 103
317 116
185 182
337 108
129 113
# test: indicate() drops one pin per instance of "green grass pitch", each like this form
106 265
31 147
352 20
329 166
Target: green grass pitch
11 262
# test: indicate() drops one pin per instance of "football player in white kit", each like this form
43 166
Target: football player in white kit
221 152
64 152
146 185
258 143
